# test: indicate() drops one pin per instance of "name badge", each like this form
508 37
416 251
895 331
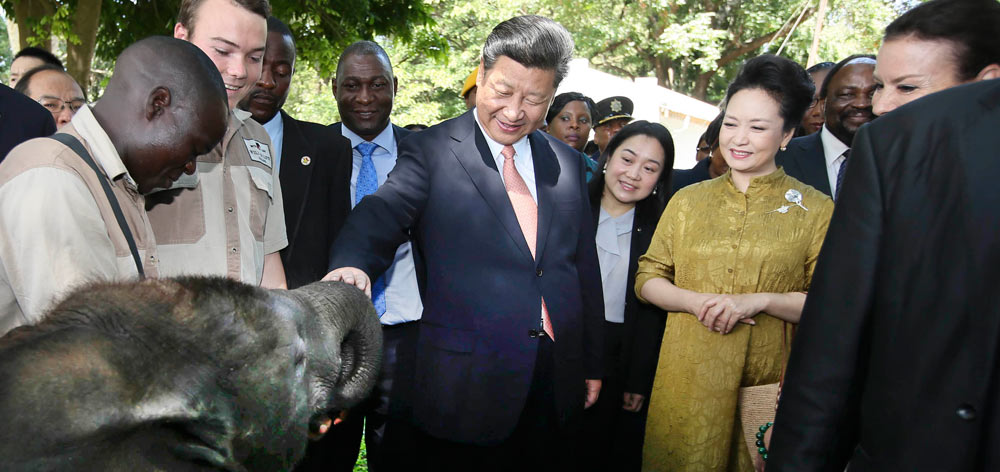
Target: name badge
259 151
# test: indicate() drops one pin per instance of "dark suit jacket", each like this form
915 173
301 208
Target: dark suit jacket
316 196
896 364
483 291
21 119
804 160
684 177
644 323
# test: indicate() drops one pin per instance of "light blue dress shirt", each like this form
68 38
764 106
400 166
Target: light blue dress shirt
402 295
276 130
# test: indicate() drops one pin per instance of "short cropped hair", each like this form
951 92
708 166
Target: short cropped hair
971 26
824 88
41 54
783 79
24 84
532 41
365 48
188 8
563 99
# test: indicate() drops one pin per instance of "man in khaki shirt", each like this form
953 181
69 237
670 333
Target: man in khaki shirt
57 227
229 219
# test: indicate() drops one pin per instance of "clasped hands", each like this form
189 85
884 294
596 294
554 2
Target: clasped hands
720 313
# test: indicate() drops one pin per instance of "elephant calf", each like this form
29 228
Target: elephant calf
183 374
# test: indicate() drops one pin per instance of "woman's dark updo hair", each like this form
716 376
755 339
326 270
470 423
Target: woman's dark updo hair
562 99
784 80
647 210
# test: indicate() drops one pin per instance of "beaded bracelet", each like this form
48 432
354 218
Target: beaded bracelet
760 440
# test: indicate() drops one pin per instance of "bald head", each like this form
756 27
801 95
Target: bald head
164 106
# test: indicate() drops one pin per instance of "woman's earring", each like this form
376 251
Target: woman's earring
605 169
784 148
654 190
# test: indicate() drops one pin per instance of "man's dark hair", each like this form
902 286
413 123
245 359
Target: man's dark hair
820 67
24 83
649 209
274 25
783 79
532 41
972 27
363 48
836 68
41 54
563 99
188 8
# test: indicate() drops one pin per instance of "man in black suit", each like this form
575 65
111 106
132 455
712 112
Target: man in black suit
509 346
364 88
895 365
21 119
819 159
314 164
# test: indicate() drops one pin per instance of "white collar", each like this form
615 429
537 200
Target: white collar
833 147
521 148
384 140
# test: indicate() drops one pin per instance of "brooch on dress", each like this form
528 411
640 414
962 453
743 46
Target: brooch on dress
794 197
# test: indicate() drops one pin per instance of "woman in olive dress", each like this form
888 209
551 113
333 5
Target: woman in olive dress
731 261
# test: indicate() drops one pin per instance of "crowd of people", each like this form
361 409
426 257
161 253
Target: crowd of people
548 301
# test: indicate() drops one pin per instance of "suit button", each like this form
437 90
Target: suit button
534 333
966 412
539 272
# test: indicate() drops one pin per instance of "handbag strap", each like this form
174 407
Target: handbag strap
77 147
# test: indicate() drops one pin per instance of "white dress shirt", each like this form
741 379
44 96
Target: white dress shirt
276 130
523 161
833 152
402 295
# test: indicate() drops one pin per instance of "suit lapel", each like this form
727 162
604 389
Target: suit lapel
815 167
470 148
546 174
294 174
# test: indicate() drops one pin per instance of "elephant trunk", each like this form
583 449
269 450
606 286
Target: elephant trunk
346 314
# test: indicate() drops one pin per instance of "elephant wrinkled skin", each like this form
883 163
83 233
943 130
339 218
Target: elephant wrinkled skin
183 374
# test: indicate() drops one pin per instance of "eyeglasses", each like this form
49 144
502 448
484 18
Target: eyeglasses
57 105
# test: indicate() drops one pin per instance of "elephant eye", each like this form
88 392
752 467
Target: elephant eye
300 358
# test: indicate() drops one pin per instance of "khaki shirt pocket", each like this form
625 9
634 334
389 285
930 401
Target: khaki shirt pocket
261 195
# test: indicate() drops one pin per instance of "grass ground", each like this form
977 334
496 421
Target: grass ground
362 464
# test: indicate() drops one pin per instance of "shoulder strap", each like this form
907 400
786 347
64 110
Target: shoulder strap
78 148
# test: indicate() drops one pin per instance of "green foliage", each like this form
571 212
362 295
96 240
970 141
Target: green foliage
6 55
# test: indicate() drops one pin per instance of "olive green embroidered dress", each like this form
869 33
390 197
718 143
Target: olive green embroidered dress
714 239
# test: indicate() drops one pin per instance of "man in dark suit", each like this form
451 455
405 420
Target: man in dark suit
364 88
314 164
509 347
846 94
895 364
21 119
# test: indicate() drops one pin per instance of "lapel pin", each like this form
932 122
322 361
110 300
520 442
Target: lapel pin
306 160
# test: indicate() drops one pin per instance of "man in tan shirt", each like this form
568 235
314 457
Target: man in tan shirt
228 220
57 226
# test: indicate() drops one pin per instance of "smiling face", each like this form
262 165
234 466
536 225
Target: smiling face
234 38
752 133
364 90
269 93
848 102
171 141
572 125
512 99
633 170
909 68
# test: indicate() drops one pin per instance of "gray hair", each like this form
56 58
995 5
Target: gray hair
532 41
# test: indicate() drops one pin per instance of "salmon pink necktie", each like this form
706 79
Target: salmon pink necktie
527 215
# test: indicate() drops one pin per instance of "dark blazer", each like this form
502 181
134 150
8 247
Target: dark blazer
316 195
21 119
804 160
684 177
483 290
896 364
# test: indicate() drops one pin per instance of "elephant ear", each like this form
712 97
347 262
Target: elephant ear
350 318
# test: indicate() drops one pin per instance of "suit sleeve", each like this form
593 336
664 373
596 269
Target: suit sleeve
339 190
380 223
589 272
816 423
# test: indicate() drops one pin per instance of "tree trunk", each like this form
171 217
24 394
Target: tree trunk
700 90
86 20
28 11
817 30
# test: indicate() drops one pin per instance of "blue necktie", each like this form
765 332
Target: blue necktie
840 173
366 185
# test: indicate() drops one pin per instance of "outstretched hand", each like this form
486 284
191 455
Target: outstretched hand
352 276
